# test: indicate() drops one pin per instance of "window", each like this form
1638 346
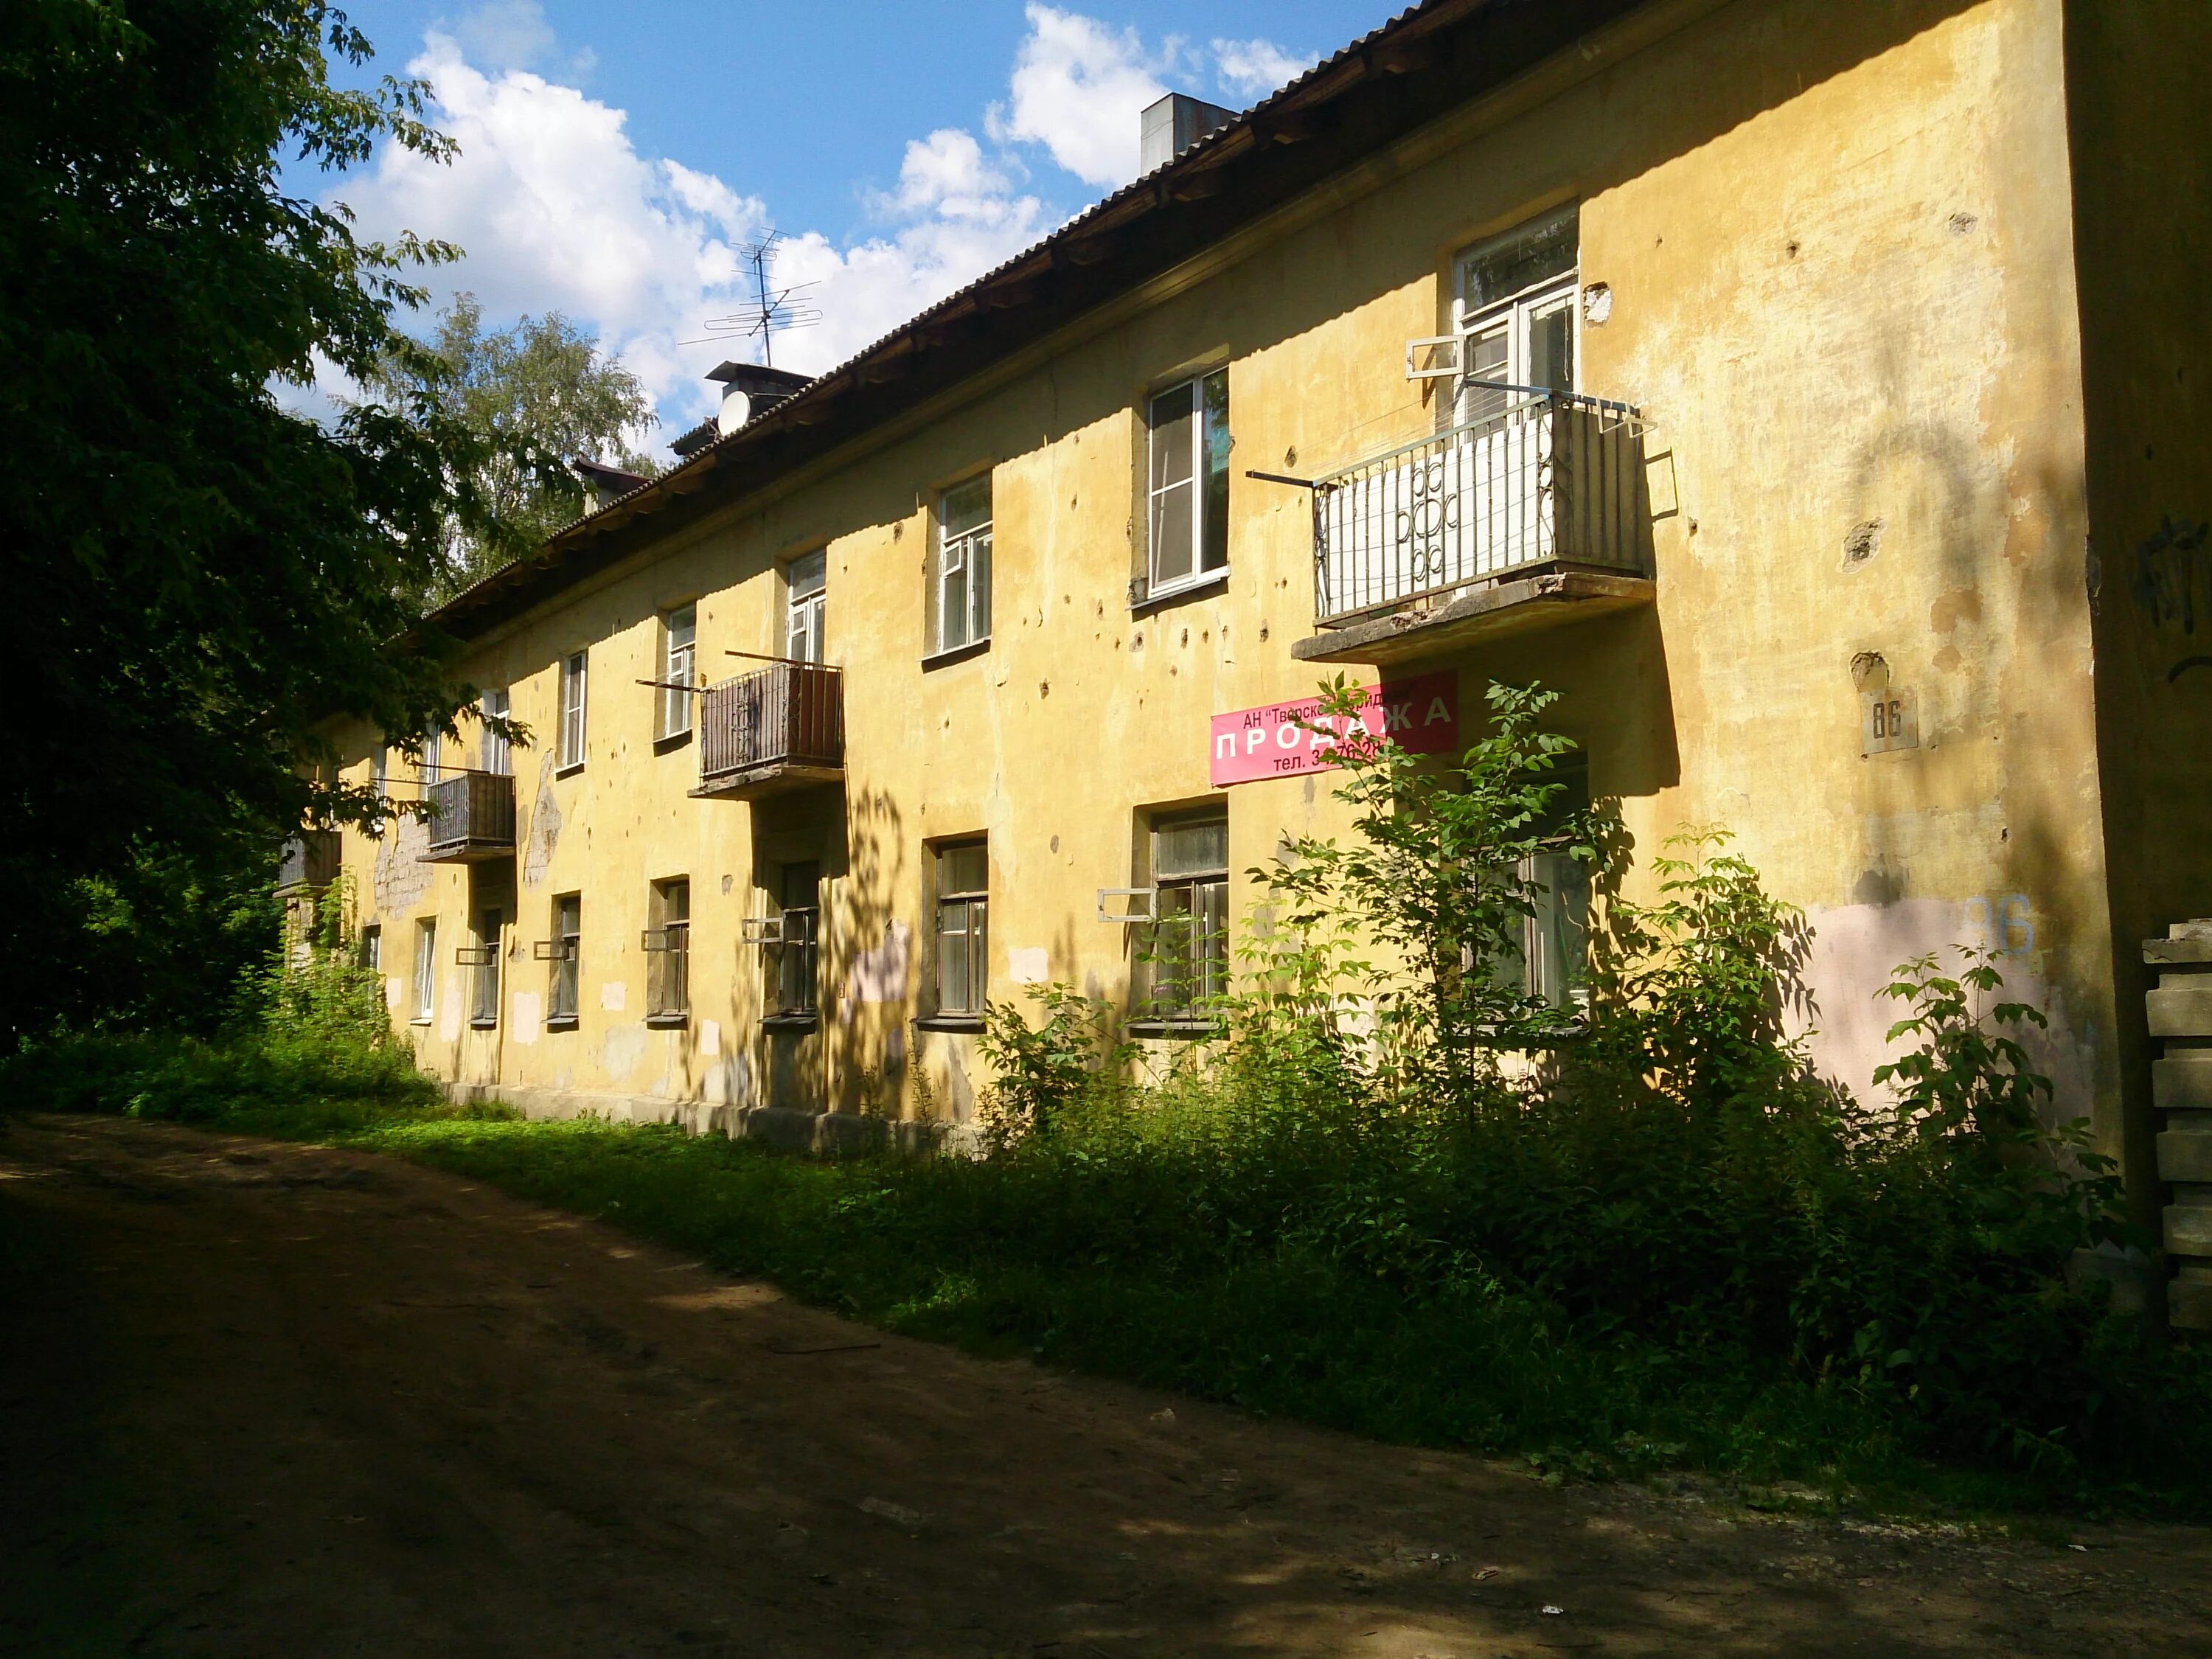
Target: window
483 994
1513 312
1553 961
426 972
563 949
1187 493
434 758
806 579
497 756
962 600
572 710
379 770
668 951
679 659
371 948
963 937
799 958
1184 954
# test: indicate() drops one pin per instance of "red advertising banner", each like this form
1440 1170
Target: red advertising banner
1420 715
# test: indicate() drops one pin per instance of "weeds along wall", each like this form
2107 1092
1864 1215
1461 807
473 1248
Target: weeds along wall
1822 249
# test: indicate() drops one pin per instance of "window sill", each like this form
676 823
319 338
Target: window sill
669 742
569 770
667 1022
1175 1027
956 653
484 1025
970 1024
1160 599
561 1022
422 1021
791 1022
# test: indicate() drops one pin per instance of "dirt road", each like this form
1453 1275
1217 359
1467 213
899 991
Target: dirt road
260 1399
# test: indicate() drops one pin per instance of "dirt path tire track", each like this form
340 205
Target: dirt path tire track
259 1398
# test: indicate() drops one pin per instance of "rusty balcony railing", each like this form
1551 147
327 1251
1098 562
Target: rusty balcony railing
779 728
1554 479
471 817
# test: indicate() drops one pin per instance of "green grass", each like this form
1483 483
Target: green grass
957 1252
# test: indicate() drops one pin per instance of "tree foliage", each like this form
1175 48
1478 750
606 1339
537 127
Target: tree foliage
195 577
534 396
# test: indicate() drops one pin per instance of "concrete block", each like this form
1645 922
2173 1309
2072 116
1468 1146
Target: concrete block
2184 1156
2185 1011
2189 1228
2162 952
2189 1303
2182 1082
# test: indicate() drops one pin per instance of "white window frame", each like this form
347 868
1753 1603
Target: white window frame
496 754
425 971
575 672
973 908
679 664
1203 971
967 554
1518 313
807 607
1207 561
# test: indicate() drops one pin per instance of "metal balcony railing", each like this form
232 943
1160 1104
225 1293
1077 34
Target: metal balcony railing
781 727
309 861
471 817
1553 478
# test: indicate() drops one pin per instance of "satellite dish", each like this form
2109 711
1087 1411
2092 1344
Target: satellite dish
736 409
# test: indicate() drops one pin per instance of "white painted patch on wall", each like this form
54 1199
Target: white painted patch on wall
879 975
395 992
449 1017
523 1023
614 996
1030 966
1856 949
710 1038
622 1049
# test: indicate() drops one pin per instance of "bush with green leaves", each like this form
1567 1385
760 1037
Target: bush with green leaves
1664 1173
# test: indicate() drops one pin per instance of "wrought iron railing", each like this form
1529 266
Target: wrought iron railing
789 713
1555 477
471 815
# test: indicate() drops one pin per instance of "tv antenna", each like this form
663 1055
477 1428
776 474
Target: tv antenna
772 310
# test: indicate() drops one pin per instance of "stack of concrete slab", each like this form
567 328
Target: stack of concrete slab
2181 1014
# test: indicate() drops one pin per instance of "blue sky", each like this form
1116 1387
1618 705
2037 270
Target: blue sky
614 158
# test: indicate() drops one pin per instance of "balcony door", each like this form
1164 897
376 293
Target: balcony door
1514 311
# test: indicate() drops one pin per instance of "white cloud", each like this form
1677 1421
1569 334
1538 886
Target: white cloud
558 211
1250 70
1079 89
514 35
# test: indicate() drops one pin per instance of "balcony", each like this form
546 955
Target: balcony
471 817
1532 515
768 732
308 862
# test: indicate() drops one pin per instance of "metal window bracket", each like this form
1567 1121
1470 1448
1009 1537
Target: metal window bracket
1150 913
761 930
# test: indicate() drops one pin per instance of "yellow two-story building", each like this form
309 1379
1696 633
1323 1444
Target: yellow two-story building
1799 387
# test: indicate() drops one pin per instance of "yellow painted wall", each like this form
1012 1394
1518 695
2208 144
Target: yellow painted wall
1839 244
